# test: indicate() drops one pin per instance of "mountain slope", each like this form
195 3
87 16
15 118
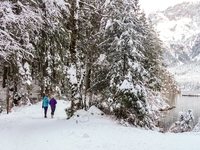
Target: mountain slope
179 28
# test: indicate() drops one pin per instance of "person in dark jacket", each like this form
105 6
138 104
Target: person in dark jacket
45 104
53 103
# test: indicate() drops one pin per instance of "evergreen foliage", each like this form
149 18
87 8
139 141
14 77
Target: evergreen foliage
185 123
93 52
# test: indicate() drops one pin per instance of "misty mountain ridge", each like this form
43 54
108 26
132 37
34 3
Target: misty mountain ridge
179 28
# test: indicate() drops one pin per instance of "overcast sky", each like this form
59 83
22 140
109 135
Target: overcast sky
153 5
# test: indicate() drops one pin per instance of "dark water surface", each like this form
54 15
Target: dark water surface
182 103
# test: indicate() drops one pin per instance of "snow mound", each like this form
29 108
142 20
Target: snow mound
84 116
95 111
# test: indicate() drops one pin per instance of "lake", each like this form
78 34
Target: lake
182 103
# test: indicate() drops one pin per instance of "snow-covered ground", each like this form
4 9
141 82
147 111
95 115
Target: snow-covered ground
26 129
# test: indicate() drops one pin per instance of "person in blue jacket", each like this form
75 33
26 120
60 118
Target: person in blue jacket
45 105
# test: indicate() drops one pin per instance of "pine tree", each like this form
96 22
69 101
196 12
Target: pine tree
51 45
185 122
90 35
124 37
15 42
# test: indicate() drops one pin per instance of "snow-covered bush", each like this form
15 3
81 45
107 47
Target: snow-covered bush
185 122
197 127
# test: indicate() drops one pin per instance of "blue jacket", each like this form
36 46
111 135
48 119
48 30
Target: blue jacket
45 102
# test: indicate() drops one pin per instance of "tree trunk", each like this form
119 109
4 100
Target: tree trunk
5 71
15 80
8 101
73 28
124 66
72 49
87 79
7 94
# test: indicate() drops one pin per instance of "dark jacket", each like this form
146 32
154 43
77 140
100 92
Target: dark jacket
53 102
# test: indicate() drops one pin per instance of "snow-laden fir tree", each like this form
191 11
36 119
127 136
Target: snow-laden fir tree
18 23
185 123
89 37
34 32
124 51
50 44
88 20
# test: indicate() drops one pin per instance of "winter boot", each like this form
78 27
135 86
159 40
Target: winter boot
52 116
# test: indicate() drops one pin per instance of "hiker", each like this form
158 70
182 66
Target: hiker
53 103
45 105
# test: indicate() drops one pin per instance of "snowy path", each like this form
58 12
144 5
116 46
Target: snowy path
26 129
